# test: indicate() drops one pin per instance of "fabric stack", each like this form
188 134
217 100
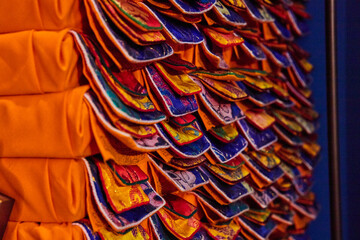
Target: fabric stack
45 123
197 121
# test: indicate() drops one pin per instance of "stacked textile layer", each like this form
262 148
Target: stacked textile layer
203 118
197 122
45 121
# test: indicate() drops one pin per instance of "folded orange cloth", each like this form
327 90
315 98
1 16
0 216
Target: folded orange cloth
49 125
45 190
42 231
38 62
19 15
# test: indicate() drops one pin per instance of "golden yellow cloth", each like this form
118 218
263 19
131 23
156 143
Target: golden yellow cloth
45 190
49 125
19 15
34 62
42 231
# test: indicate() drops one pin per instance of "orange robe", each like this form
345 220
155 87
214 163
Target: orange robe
43 115
42 231
34 62
49 125
19 15
45 190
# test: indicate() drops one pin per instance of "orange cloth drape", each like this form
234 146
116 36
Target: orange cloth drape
42 231
45 190
33 62
49 125
20 15
45 121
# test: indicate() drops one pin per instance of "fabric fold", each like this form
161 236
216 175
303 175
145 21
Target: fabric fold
49 125
34 62
18 15
44 189
42 231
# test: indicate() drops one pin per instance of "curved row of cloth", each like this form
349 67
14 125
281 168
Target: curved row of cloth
198 115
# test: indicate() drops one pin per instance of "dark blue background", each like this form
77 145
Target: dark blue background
348 34
348 21
315 43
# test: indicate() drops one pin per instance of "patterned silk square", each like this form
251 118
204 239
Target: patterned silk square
86 228
227 133
233 164
260 231
180 82
175 62
258 215
193 150
129 90
222 37
112 39
225 90
265 174
137 131
136 13
193 7
266 158
179 206
109 95
120 197
221 75
257 139
257 11
231 193
152 143
253 50
226 152
227 212
259 118
181 32
175 105
228 176
136 233
128 174
178 226
182 135
185 180
172 12
127 219
228 15
224 111
183 120
223 231
257 83
137 35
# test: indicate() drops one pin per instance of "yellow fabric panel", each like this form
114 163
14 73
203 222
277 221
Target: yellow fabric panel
49 125
42 231
34 62
20 15
45 190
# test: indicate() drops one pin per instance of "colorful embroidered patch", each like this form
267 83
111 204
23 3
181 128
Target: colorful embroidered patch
228 15
128 219
128 174
193 7
185 180
180 82
176 106
182 135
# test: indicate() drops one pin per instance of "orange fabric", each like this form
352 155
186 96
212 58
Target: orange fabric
49 125
19 15
45 190
268 32
42 231
34 62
